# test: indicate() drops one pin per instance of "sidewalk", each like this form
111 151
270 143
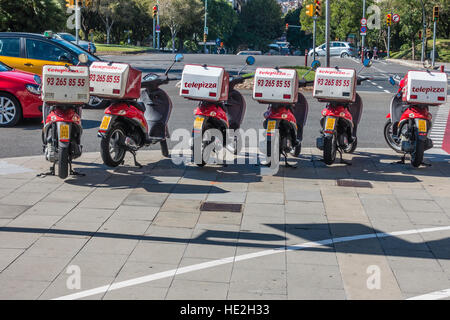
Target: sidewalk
294 235
415 64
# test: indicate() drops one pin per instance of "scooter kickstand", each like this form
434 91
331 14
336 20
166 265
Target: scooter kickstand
75 173
137 164
286 162
401 161
50 173
426 164
342 159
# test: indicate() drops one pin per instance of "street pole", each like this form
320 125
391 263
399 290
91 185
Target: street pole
157 22
206 17
363 37
327 32
77 21
424 32
389 42
154 33
314 38
434 43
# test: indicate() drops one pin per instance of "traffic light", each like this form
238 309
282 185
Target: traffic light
435 12
420 34
70 3
309 10
388 20
155 11
204 37
287 27
318 8
428 32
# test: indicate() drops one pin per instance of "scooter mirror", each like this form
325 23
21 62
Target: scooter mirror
427 64
367 63
315 64
83 58
392 81
37 79
250 60
179 57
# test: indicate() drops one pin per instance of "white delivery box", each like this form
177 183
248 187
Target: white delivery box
333 84
115 80
204 83
424 87
275 85
61 84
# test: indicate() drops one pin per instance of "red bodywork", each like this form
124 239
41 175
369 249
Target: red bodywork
338 112
123 109
281 113
14 82
212 111
414 112
63 115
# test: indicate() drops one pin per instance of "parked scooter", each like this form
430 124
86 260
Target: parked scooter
287 111
221 107
409 117
130 124
65 89
343 111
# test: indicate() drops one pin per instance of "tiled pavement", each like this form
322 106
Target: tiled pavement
116 225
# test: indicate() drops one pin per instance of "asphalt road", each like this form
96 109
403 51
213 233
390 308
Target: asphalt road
25 139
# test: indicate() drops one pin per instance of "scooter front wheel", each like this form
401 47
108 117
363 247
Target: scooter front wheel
329 149
112 147
63 163
394 144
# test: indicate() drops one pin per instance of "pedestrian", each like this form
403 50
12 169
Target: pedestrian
375 53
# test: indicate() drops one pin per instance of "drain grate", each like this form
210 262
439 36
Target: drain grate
353 183
219 206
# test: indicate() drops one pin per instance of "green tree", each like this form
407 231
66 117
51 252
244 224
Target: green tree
221 20
30 15
297 37
260 22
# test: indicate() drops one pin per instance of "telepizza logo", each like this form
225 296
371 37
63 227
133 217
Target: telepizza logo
272 73
199 85
105 67
427 90
65 70
331 71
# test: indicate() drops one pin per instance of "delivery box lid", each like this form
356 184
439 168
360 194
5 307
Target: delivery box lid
65 84
204 83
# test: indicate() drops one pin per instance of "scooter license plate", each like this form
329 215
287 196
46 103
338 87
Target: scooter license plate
64 132
271 126
422 125
330 124
198 123
105 123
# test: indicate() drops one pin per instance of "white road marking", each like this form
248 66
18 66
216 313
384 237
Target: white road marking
387 91
437 295
215 263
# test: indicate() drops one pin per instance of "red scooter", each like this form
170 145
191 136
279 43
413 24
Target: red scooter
130 124
341 115
64 91
409 119
214 112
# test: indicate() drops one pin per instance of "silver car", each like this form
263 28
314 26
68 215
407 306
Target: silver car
84 44
337 48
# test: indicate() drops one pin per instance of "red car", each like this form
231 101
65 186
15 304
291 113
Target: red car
20 96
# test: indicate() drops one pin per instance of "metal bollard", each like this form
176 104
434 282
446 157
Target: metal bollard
306 57
442 68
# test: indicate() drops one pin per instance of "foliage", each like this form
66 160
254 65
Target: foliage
297 37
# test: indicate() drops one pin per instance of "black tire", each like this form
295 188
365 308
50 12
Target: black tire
393 144
10 110
164 148
329 149
352 147
269 149
113 141
417 154
63 163
344 55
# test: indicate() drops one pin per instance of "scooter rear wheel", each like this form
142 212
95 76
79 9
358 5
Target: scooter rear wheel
329 150
113 143
417 154
63 163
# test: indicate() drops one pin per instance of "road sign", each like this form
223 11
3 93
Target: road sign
363 29
363 22
218 42
206 30
396 18
158 28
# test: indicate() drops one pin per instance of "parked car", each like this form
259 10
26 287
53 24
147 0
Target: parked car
337 48
86 45
19 96
30 52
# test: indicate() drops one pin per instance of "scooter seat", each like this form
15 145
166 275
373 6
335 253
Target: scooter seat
139 105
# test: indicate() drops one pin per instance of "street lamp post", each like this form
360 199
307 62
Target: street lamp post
204 31
327 32
363 37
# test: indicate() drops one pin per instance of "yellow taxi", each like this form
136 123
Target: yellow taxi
30 52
